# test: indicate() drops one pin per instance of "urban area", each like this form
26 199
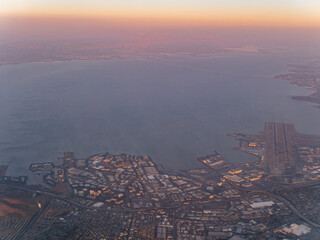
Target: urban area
121 196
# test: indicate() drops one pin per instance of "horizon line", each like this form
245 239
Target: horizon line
171 21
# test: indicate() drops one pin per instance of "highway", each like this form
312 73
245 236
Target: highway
32 220
76 204
290 206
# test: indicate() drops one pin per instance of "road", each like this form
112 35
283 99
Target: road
64 198
31 221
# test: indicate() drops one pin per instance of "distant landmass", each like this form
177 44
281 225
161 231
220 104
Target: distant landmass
15 52
307 75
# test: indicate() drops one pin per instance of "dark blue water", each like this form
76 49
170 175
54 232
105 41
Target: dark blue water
173 109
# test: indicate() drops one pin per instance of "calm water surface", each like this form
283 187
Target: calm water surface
173 109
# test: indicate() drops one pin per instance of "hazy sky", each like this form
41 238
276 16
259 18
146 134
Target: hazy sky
219 12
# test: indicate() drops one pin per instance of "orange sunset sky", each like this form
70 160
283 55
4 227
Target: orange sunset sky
301 13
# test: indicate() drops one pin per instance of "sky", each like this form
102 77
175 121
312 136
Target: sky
198 12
